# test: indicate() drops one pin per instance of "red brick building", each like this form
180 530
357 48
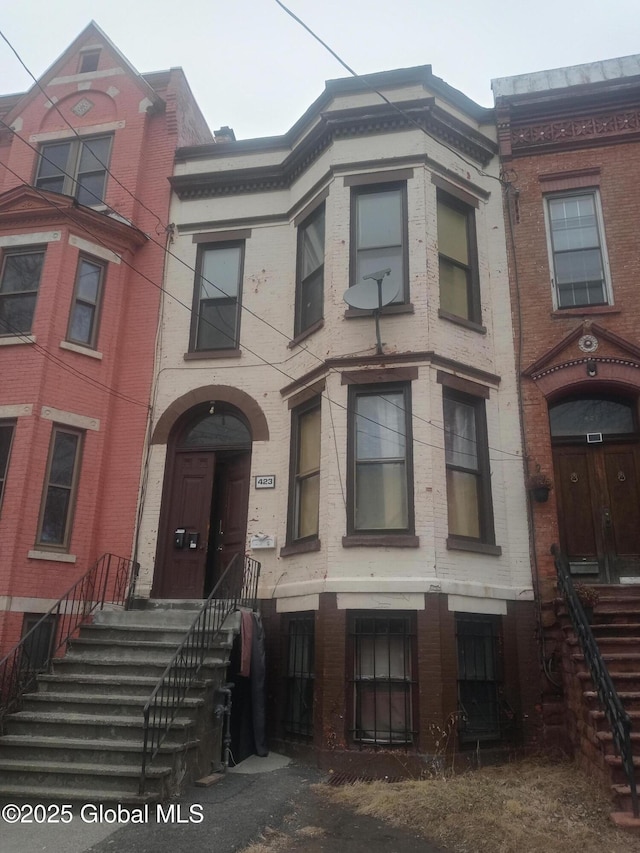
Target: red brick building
84 197
571 160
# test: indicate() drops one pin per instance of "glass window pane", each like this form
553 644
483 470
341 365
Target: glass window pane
217 325
372 260
16 314
90 188
88 282
54 518
308 507
63 459
381 496
454 289
95 154
463 503
6 433
54 160
22 272
578 417
460 434
380 426
313 246
81 325
573 223
452 233
310 296
579 266
217 430
220 272
309 446
379 219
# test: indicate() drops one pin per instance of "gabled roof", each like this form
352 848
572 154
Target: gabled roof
25 206
91 32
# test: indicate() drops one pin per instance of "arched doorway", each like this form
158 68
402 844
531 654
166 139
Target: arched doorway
596 455
203 521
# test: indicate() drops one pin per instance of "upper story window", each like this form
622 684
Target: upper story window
88 61
379 235
310 271
83 321
577 250
77 167
380 489
304 497
19 285
470 509
6 438
458 259
215 318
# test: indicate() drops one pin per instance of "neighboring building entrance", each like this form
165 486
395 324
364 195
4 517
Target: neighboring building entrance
204 508
597 479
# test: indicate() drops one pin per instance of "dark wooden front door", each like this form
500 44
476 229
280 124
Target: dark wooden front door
205 520
228 513
599 509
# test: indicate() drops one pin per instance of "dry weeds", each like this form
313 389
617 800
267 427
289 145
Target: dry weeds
524 807
277 841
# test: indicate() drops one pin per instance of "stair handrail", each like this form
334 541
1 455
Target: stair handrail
614 710
20 666
233 590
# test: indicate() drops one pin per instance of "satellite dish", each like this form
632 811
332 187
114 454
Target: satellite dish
367 296
373 297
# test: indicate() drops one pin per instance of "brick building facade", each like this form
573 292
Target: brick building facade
381 487
571 160
84 200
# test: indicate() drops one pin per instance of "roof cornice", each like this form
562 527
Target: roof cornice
338 124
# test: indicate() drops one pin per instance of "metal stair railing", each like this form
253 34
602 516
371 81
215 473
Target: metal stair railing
615 713
109 581
237 587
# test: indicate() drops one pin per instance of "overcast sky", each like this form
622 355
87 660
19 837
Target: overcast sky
252 67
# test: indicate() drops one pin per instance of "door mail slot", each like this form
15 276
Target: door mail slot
192 541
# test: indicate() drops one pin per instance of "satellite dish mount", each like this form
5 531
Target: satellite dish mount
363 296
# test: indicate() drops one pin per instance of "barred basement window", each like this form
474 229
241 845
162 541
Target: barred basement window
383 694
479 677
300 675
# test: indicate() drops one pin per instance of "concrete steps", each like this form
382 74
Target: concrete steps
79 735
615 624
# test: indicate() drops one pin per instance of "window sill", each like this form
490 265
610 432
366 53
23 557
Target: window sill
462 321
586 311
300 548
456 544
314 327
54 556
404 308
12 340
212 353
92 353
380 540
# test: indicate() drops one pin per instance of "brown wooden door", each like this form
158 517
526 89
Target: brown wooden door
183 568
229 512
598 509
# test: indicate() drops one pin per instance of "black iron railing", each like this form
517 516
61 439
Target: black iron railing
238 587
614 710
109 581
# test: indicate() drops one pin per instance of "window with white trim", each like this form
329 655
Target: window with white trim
83 320
577 250
58 498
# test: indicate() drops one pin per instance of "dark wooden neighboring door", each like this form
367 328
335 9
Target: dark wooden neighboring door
206 497
599 509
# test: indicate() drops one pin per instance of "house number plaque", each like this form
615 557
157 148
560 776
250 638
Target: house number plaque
265 481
